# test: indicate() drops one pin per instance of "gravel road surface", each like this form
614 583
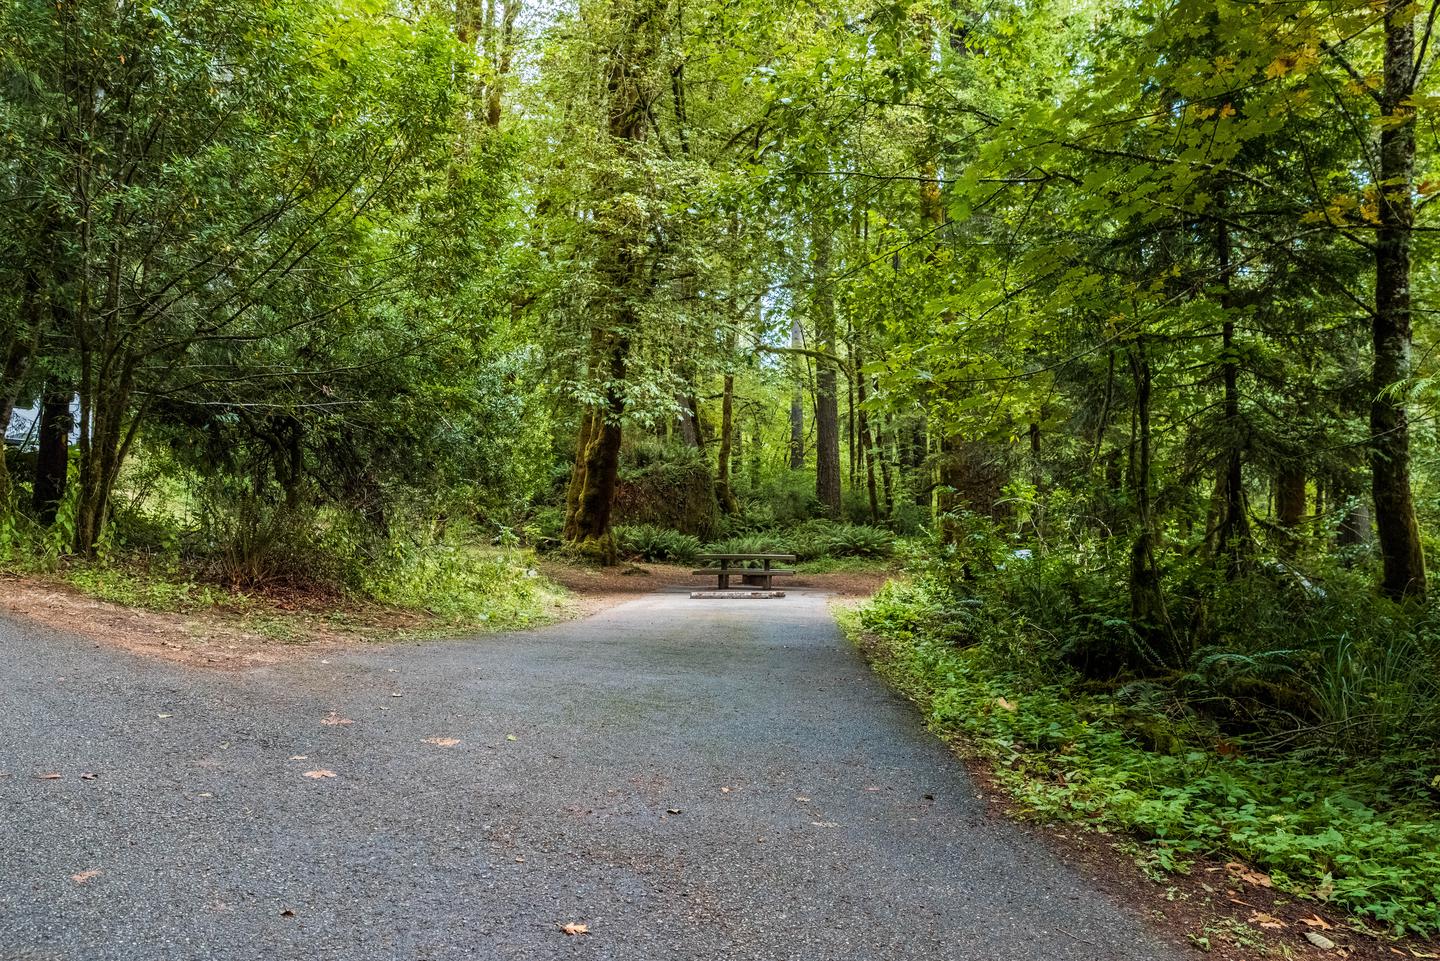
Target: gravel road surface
687 779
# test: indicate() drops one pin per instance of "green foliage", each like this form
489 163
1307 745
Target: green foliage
1213 761
858 540
770 543
462 584
148 588
650 543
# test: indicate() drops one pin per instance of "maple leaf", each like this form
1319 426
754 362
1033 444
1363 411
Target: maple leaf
317 775
575 927
442 741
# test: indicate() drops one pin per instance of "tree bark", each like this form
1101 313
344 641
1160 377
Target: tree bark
624 279
1148 616
827 407
1290 496
52 460
1403 561
1233 537
867 447
797 405
723 490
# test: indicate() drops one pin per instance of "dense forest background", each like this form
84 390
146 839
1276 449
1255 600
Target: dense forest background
1113 320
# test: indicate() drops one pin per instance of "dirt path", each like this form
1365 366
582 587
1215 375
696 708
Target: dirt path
685 779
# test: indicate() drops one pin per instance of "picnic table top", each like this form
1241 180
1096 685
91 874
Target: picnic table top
745 557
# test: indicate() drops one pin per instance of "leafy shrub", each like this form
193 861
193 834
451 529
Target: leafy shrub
858 540
1298 734
543 529
652 543
755 516
789 498
466 585
248 541
751 544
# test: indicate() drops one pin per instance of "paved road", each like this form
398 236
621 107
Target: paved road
845 832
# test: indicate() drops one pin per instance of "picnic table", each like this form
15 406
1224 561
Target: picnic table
754 570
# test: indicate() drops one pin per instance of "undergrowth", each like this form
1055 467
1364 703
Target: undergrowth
1338 824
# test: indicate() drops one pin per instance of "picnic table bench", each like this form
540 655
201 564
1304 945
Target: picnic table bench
744 566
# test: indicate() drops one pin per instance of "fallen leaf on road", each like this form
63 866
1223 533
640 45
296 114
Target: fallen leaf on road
84 876
511 737
317 775
1267 921
724 790
396 694
443 741
87 776
299 757
287 913
574 928
802 799
163 716
826 824
332 719
673 811
48 776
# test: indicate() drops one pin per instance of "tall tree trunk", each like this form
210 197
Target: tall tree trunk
827 405
852 447
797 405
886 467
1233 536
867 447
52 459
502 45
723 490
756 449
624 276
1290 496
689 418
1403 560
589 526
577 475
1148 616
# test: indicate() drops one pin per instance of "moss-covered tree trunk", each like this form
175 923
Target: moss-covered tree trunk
1403 574
625 283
